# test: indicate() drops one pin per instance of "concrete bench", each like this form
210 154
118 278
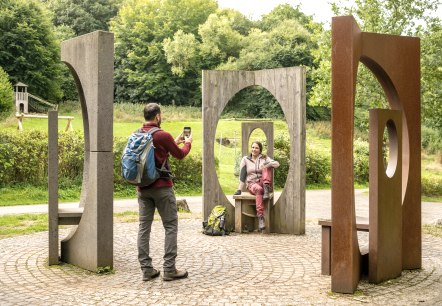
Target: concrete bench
69 216
244 209
326 250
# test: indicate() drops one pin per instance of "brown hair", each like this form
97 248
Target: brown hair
151 110
260 147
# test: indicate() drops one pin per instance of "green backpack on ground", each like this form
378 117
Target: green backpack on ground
216 224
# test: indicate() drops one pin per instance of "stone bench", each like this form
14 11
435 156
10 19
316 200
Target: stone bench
69 216
326 226
244 208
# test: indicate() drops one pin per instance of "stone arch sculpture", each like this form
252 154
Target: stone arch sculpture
288 87
395 61
90 244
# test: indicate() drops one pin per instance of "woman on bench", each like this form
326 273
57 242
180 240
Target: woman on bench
256 172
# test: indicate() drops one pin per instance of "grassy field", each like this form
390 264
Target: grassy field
128 117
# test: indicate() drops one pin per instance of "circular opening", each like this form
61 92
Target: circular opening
390 148
228 141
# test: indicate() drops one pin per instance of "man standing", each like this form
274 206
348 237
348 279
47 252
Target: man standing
160 195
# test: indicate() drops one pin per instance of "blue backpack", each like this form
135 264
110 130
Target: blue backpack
138 160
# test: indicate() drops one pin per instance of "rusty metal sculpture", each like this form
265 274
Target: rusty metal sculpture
394 60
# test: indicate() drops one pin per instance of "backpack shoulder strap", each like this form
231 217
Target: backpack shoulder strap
153 130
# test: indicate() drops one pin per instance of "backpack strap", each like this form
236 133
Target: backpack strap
151 132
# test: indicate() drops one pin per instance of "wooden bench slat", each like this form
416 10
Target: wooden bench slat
363 227
248 196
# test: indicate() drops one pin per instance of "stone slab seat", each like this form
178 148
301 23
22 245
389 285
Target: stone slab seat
244 208
326 226
69 216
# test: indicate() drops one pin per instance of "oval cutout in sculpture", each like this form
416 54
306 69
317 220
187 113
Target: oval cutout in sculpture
228 141
392 156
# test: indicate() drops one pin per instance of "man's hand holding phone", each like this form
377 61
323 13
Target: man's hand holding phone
187 133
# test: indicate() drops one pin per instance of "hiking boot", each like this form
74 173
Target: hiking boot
266 192
147 276
261 223
177 274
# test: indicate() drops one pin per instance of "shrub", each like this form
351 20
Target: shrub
317 166
6 94
317 163
23 153
187 172
431 140
360 159
432 186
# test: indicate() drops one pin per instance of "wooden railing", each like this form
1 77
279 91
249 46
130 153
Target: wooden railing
20 118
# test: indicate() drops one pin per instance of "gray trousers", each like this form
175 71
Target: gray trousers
164 200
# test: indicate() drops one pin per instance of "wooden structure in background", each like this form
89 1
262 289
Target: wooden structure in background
245 203
288 87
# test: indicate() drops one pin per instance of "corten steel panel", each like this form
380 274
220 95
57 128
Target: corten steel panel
288 87
385 241
90 59
394 60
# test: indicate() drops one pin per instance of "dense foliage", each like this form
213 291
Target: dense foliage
141 70
404 17
83 16
6 94
29 52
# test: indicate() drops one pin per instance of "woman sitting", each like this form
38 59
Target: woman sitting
256 172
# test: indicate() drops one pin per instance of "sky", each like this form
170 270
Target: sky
319 9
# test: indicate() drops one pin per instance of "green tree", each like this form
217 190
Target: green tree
29 52
83 16
229 41
141 69
6 94
431 69
404 17
284 39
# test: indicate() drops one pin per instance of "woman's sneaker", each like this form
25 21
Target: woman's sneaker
177 274
261 223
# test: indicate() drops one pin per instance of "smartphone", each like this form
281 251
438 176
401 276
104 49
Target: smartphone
187 131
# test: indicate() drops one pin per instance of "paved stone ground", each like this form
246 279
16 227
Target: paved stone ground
240 269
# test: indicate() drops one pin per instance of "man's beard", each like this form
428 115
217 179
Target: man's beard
159 123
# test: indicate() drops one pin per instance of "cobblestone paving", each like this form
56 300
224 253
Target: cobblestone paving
247 269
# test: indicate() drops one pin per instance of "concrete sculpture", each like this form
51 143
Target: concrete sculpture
395 61
245 203
288 87
90 244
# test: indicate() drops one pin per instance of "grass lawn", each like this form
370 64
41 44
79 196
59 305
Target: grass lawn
128 117
24 224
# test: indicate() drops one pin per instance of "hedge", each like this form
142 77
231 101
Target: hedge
23 159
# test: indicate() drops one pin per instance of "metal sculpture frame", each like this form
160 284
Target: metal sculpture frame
395 61
89 245
288 87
